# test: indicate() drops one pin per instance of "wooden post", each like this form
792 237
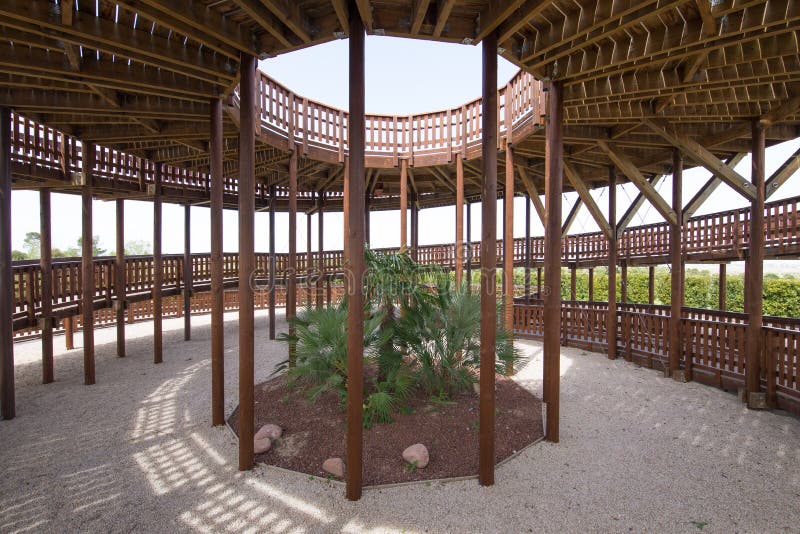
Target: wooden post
573 282
320 247
623 283
755 273
7 393
554 155
459 241
158 271
651 284
508 242
120 277
187 273
247 264
309 261
367 202
723 285
527 247
272 201
488 261
611 320
414 227
46 267
355 260
69 332
591 284
87 266
676 293
217 269
403 202
539 282
468 255
291 281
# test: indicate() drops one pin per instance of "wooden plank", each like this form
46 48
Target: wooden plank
783 173
709 187
445 8
532 192
584 194
418 16
493 15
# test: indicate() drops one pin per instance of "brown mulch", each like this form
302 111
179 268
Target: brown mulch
313 432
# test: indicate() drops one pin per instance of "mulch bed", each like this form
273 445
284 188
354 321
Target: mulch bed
313 432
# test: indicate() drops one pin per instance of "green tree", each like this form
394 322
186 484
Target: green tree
33 245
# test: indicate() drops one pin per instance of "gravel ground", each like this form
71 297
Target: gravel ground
135 453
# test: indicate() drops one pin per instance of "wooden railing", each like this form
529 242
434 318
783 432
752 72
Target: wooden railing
714 339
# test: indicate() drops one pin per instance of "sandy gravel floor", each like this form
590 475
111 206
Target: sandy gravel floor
135 453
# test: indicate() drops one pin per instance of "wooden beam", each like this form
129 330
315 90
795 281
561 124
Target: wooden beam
120 276
611 318
520 18
7 388
365 10
418 16
754 288
403 203
637 203
257 12
340 7
217 267
532 192
708 188
624 164
87 264
702 156
46 269
459 240
783 173
676 268
508 244
445 7
583 192
494 15
571 217
292 16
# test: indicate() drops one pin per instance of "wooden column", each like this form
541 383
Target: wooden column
488 261
272 201
69 332
459 241
187 273
508 241
723 285
309 261
247 264
755 273
611 320
46 267
120 277
651 284
403 203
591 284
87 266
291 280
527 247
414 227
355 261
7 393
539 282
554 156
676 293
158 271
320 247
573 282
217 269
623 283
468 255
367 202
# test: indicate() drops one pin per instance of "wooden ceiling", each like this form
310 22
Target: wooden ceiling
640 76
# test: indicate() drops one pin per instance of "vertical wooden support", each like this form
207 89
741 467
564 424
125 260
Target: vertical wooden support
69 332
468 255
403 203
573 282
217 269
591 284
247 143
320 247
272 202
367 217
527 247
611 320
488 261
46 267
291 281
87 266
414 227
309 261
755 272
158 271
723 285
187 273
539 282
554 156
120 277
676 294
355 260
7 393
651 284
508 242
623 283
459 241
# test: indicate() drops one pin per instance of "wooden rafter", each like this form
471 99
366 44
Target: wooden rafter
584 194
783 173
365 10
709 187
533 193
520 18
259 13
630 170
418 15
637 203
494 15
703 156
340 7
445 8
571 217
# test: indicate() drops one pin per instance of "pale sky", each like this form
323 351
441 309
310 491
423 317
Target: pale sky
444 76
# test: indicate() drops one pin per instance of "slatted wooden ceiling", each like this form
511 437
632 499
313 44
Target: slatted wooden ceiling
137 74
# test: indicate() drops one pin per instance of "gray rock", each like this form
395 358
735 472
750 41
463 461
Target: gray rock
334 466
417 455
261 444
269 431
